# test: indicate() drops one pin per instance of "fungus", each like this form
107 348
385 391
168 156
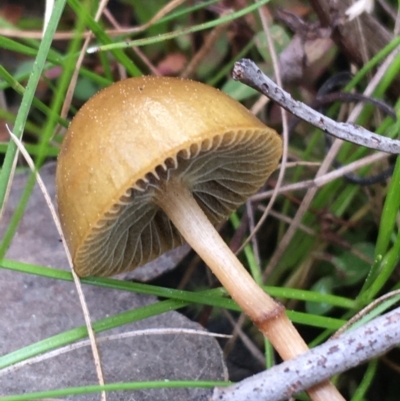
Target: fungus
151 162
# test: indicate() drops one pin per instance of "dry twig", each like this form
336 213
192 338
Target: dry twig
333 357
246 71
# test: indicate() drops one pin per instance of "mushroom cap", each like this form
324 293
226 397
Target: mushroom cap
136 133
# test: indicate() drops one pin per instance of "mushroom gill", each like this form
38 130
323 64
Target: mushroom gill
221 172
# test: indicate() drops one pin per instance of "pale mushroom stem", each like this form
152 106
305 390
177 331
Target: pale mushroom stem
269 316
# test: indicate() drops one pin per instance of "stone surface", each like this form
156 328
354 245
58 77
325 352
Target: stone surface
35 308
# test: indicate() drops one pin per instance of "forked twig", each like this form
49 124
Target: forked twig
246 71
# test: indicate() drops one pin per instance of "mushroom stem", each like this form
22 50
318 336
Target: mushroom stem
176 200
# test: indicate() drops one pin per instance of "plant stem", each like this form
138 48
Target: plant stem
269 316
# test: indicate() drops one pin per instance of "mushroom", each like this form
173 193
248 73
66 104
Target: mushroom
151 162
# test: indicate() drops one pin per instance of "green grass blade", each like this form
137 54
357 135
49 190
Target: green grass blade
248 251
14 84
120 56
14 46
384 263
175 34
79 333
215 297
24 110
115 387
366 383
373 62
62 85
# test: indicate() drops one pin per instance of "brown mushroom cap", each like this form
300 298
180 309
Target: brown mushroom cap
137 133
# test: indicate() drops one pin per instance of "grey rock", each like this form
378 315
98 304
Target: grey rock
34 308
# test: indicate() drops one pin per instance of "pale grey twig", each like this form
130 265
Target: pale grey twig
246 71
288 220
323 179
333 357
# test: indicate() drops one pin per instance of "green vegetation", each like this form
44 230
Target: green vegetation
343 256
